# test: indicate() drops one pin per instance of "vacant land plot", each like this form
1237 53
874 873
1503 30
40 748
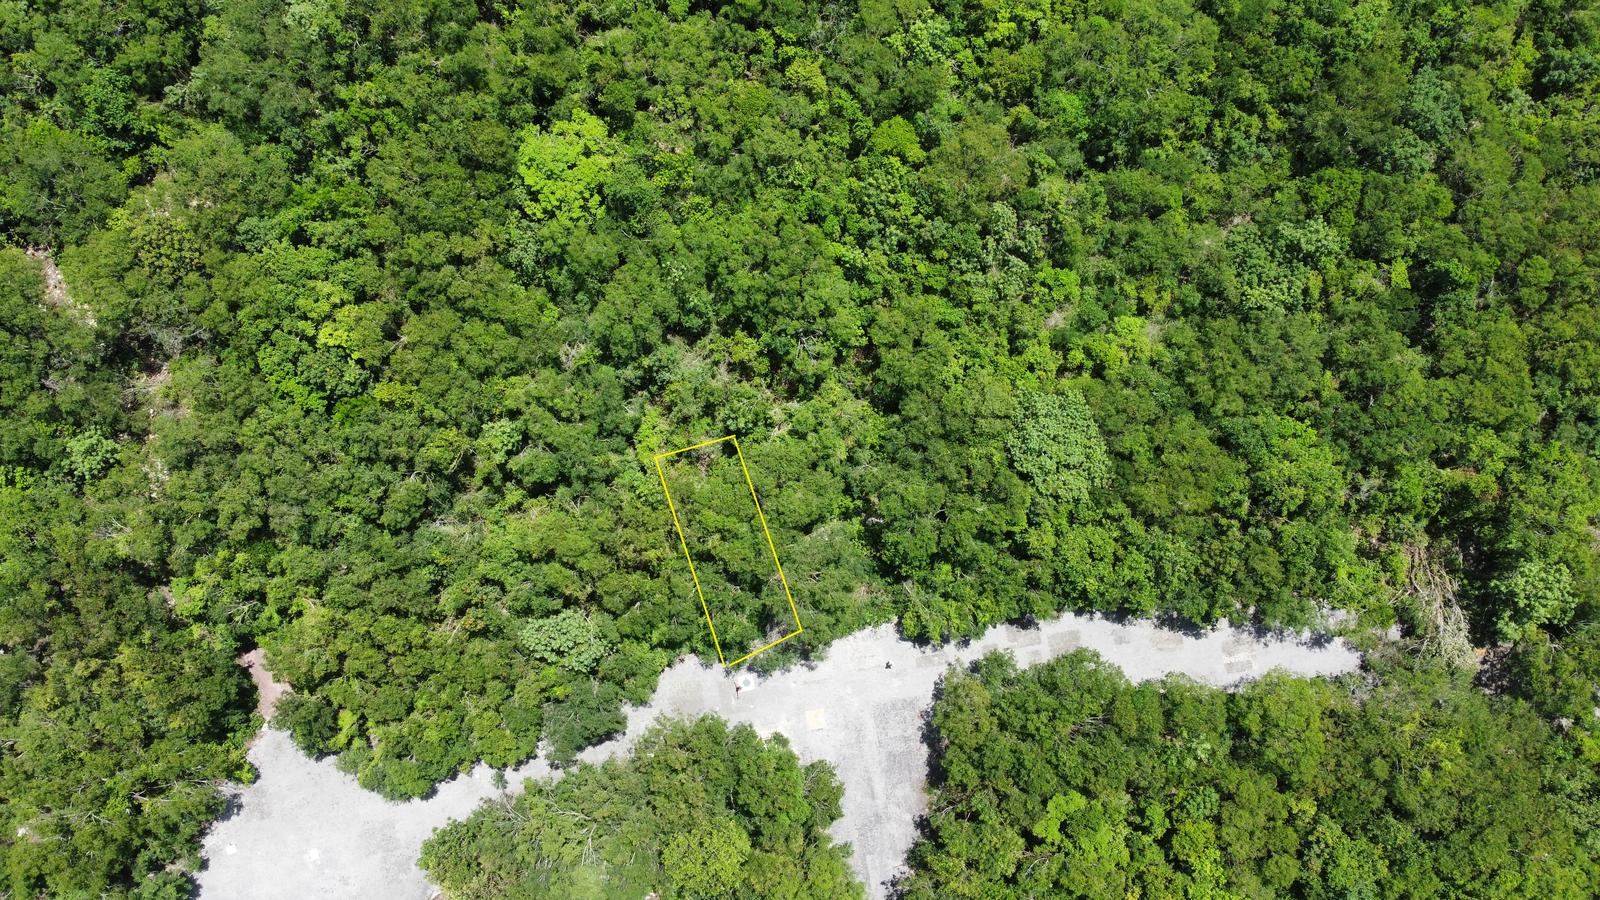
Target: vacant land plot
731 555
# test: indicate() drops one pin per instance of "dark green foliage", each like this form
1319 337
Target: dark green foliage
118 725
117 728
1066 780
58 184
699 810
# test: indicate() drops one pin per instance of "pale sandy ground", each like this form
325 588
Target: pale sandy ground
305 830
267 690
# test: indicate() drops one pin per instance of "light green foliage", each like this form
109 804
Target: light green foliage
1559 680
895 137
564 168
1282 270
88 454
1056 443
1291 471
1537 593
568 638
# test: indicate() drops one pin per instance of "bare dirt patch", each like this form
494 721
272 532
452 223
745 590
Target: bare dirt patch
268 690
55 287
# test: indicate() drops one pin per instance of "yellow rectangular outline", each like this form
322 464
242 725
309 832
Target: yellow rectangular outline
682 541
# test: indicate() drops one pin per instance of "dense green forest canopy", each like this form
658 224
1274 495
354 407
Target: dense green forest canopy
1067 781
698 810
370 315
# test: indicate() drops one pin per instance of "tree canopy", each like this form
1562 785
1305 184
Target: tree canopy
697 810
348 330
1067 781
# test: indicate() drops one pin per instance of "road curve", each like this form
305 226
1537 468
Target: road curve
306 830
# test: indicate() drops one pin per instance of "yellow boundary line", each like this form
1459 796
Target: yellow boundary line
684 542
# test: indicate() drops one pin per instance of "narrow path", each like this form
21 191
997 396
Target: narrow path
306 830
55 287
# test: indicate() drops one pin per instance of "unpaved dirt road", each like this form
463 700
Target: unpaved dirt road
305 830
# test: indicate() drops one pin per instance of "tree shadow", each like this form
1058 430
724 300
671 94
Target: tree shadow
928 734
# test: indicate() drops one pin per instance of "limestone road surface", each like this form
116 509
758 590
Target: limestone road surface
304 830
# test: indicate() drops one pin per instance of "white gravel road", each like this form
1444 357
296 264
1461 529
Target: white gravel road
305 830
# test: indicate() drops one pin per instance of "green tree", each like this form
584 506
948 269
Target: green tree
1056 444
58 184
1536 593
569 638
751 822
565 168
1068 780
709 862
1180 308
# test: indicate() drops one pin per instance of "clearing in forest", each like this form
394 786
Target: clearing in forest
725 551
